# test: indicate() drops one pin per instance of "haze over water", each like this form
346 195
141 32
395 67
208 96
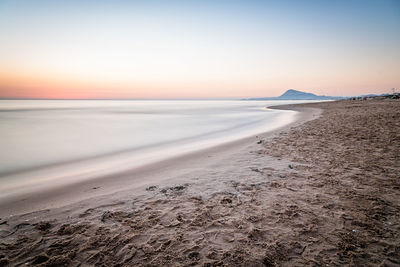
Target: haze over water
45 140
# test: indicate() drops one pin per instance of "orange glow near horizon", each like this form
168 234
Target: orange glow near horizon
36 86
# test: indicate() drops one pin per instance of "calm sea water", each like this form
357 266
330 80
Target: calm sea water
42 140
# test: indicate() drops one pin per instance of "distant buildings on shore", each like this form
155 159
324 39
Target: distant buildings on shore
292 94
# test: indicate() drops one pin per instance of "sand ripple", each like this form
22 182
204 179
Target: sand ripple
334 200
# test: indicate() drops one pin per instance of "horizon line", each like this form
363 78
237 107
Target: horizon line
200 98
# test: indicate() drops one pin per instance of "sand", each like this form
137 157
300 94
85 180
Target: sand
326 192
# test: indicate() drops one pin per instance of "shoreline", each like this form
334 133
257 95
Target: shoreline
57 194
325 192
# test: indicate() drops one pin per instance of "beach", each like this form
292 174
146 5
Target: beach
323 190
54 152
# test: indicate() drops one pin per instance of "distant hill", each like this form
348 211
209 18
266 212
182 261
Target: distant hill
292 94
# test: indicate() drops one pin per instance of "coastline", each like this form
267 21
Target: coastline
323 191
59 193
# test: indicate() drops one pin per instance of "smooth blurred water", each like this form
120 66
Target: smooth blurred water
95 136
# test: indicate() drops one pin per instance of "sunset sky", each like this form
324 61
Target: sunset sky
197 49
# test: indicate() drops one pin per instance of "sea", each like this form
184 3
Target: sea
46 140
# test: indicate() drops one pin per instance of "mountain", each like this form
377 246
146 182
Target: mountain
292 94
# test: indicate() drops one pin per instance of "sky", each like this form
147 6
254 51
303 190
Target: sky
197 49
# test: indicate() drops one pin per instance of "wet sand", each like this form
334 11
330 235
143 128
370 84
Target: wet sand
176 168
326 192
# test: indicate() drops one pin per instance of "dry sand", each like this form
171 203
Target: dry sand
323 193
